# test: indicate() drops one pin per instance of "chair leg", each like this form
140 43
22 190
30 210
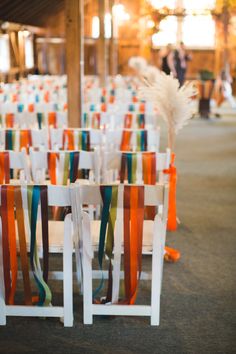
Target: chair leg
3 319
87 272
156 272
2 288
68 273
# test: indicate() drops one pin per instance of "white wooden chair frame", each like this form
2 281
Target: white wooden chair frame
57 196
112 164
88 160
113 139
154 195
56 136
18 160
39 138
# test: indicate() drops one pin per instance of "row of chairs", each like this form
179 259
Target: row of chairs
80 139
62 167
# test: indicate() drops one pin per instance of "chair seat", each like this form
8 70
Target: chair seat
56 236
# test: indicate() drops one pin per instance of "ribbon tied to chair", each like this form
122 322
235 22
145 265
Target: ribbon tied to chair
133 216
15 200
171 171
4 167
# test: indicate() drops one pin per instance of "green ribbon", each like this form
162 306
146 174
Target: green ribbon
45 295
66 168
140 120
40 119
111 222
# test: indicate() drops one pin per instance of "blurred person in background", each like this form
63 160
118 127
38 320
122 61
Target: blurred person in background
181 57
167 60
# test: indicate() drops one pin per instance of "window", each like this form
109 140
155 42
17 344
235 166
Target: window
4 53
198 6
157 4
107 21
203 26
95 27
167 33
195 29
29 51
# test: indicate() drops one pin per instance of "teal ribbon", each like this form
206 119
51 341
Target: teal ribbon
85 119
141 120
34 212
45 295
131 108
72 156
106 193
20 107
40 119
92 107
9 140
129 167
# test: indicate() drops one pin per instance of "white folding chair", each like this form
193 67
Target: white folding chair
39 138
113 139
56 138
18 161
58 196
88 160
112 165
153 196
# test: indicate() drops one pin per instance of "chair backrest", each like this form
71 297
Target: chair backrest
132 120
135 166
123 218
12 160
16 139
63 166
75 139
133 139
25 204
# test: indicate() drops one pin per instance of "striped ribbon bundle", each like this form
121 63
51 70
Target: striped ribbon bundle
141 140
132 221
69 163
96 120
83 140
140 120
129 167
21 203
25 139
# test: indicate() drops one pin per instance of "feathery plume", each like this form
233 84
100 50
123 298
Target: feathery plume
174 103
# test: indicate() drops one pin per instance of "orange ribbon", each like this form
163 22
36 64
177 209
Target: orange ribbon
142 108
9 120
172 223
125 140
4 167
52 160
22 244
68 136
96 120
133 234
52 119
149 177
25 139
12 242
31 107
128 120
